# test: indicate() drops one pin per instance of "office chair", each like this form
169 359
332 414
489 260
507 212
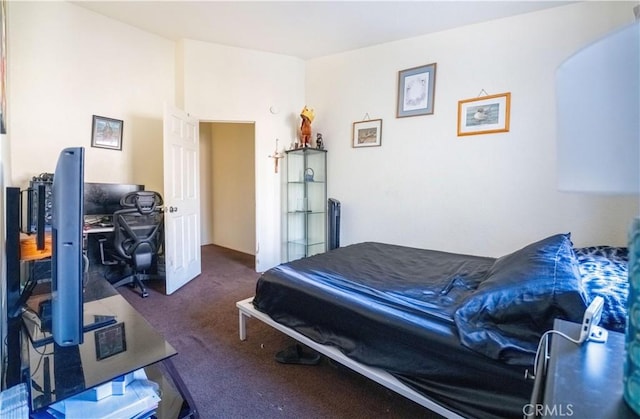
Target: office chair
138 237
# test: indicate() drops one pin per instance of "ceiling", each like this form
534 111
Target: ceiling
305 29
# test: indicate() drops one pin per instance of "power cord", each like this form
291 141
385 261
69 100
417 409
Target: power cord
543 341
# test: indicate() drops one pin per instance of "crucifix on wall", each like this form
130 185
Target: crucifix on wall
276 156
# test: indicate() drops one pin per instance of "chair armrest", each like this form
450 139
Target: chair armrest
101 241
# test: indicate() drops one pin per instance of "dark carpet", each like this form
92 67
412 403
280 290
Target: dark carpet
229 378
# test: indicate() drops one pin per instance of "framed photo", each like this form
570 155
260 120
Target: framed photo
106 133
484 115
416 88
110 341
367 133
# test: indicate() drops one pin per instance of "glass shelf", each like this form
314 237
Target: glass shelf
306 202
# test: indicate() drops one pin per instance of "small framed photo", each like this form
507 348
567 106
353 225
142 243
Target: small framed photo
110 341
367 133
106 133
416 91
484 115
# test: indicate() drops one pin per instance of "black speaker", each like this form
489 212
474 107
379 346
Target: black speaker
334 223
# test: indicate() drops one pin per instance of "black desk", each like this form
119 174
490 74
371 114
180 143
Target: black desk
56 373
584 381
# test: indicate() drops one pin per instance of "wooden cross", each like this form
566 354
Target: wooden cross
276 157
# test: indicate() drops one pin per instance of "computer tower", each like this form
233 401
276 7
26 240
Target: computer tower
39 202
334 224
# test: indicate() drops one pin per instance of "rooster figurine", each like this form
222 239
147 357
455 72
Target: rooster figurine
307 116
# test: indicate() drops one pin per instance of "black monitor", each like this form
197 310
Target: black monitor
62 316
67 264
104 198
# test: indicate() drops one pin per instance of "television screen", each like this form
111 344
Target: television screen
67 268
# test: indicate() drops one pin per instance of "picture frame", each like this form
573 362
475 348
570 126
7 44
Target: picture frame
367 133
484 114
106 133
416 91
110 341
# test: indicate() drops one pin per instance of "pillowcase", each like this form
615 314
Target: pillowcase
520 297
605 272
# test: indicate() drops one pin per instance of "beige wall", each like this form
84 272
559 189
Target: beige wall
233 205
206 204
66 64
227 185
483 194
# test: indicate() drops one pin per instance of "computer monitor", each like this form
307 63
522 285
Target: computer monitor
67 265
63 314
102 199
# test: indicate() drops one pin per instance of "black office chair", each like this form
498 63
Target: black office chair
138 238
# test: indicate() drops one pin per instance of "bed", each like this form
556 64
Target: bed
455 333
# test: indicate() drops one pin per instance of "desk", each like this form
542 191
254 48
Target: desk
29 249
56 373
97 230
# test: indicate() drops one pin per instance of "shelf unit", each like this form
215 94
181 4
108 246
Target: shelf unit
306 202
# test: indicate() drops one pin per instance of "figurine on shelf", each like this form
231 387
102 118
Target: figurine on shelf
307 116
319 144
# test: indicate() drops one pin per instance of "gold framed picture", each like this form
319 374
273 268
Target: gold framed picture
484 115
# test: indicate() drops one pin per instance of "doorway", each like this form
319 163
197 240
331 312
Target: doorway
227 185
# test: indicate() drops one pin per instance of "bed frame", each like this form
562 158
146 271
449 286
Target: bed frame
247 310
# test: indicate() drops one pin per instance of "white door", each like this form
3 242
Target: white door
181 198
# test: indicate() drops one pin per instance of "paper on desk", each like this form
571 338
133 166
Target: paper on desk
140 397
14 402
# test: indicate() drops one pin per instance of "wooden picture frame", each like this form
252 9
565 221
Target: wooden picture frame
484 115
367 133
106 133
416 91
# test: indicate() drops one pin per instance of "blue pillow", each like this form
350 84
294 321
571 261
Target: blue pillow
520 297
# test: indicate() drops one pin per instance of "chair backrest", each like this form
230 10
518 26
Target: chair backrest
138 227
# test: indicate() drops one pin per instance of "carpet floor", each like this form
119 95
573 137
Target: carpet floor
229 378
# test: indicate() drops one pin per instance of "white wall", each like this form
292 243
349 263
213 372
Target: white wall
66 64
425 187
232 84
485 194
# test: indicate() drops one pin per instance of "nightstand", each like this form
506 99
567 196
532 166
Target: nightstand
581 381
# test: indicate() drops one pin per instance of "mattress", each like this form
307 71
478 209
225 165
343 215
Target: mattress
392 307
460 329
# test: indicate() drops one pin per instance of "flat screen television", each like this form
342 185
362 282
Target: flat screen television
67 264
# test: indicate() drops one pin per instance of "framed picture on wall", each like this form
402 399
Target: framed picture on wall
484 114
106 133
416 88
367 133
